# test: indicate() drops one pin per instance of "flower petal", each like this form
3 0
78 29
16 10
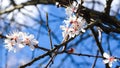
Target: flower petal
115 59
106 61
110 64
21 45
106 55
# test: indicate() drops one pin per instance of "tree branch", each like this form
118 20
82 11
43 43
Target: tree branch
95 59
32 2
49 31
108 6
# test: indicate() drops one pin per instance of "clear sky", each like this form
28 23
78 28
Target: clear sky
56 17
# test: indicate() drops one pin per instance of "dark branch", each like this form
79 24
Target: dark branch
108 6
95 59
49 31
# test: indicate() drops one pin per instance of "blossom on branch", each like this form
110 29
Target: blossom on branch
29 40
109 59
17 40
73 26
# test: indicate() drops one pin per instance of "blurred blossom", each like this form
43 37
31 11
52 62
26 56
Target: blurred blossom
17 40
108 59
72 8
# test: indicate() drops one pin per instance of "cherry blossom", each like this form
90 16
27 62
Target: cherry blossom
29 40
73 26
109 59
12 40
17 40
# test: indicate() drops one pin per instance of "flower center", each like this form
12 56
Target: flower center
14 38
111 59
27 41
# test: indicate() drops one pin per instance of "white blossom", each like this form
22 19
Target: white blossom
17 40
108 59
72 26
29 40
72 8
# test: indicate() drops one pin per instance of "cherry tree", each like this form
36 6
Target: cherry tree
60 33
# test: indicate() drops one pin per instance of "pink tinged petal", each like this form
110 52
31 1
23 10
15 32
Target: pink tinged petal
111 59
106 61
77 32
106 55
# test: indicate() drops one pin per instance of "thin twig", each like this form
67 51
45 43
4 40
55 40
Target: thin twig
6 54
108 37
41 48
88 55
49 31
95 59
51 61
32 2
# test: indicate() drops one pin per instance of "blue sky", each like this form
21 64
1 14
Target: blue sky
56 17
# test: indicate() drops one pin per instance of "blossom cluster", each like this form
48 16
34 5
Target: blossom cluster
17 40
109 59
73 24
